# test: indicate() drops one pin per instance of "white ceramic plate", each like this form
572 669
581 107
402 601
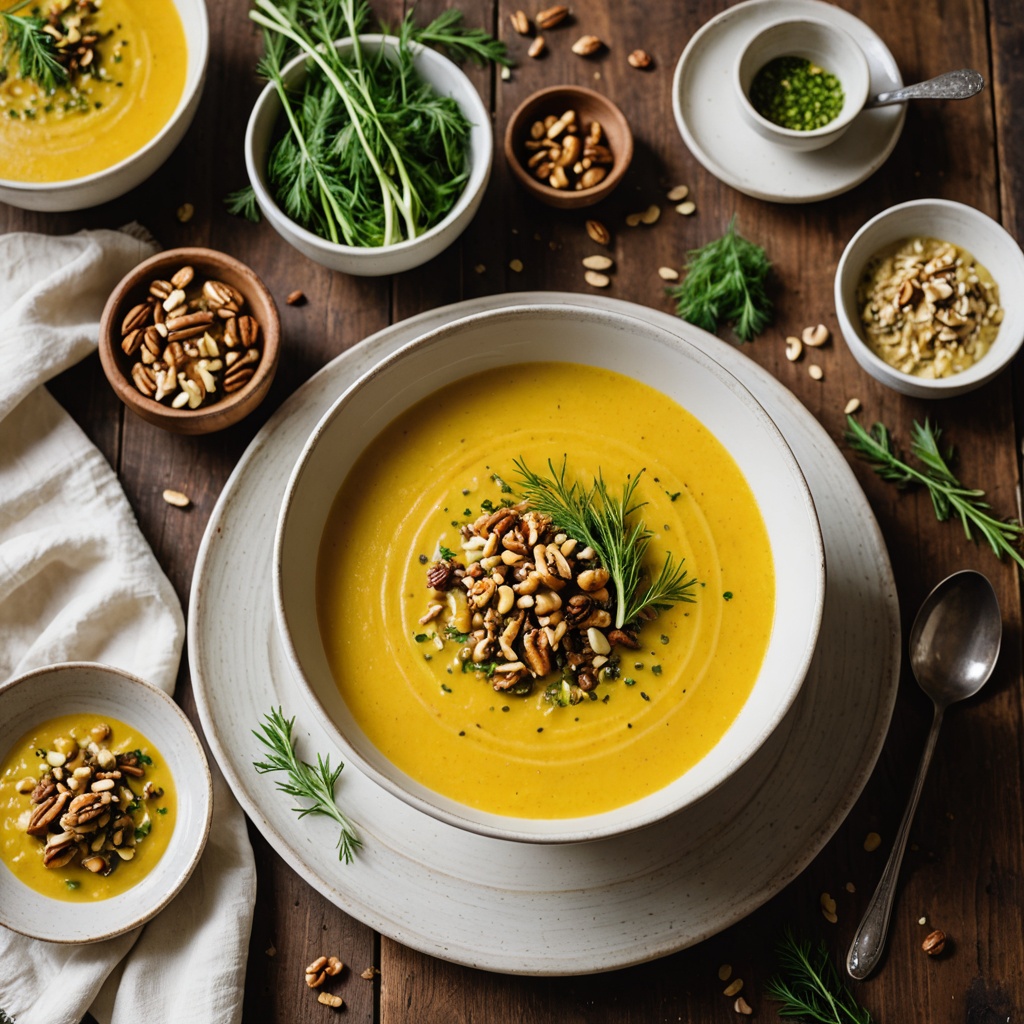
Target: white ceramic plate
80 686
708 113
562 909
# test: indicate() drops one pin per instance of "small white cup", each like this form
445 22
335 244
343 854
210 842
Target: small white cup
824 45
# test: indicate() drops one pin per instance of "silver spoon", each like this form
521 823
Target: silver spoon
953 85
954 644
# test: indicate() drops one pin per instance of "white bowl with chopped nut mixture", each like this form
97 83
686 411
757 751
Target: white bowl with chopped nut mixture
85 734
610 734
914 311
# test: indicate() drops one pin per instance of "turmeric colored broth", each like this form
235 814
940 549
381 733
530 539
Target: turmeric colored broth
22 853
103 117
521 756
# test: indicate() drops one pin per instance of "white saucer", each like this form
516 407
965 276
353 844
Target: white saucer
550 910
708 114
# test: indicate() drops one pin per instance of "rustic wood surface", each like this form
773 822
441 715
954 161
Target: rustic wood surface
963 871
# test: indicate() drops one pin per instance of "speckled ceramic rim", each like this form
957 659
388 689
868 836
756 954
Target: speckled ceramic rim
987 241
788 511
198 43
72 686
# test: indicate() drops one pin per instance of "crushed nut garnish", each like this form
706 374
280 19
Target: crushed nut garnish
928 308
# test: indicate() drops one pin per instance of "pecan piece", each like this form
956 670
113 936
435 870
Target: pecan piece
46 813
440 575
623 638
45 788
537 652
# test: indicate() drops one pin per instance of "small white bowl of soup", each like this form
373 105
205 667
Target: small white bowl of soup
134 77
105 802
425 445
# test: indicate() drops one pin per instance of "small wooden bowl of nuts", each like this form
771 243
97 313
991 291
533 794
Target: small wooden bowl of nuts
568 146
189 340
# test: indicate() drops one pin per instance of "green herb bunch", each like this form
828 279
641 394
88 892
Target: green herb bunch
809 988
726 283
371 155
949 497
36 50
602 520
309 782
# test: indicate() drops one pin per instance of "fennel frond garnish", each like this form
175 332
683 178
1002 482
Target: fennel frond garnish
309 782
606 522
36 50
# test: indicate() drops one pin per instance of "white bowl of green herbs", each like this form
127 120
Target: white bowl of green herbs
383 155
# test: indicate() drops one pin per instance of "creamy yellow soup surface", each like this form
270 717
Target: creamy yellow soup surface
22 853
107 111
427 473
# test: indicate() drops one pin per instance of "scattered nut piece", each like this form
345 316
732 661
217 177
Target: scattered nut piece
587 46
934 943
651 214
678 194
516 266
725 972
330 999
369 973
733 988
794 348
596 280
922 920
296 298
520 22
551 16
668 274
598 262
850 887
640 59
633 219
270 951
815 372
176 498
872 841
742 1006
815 337
686 208
537 48
334 966
506 73
851 406
598 232
828 908
480 268
185 212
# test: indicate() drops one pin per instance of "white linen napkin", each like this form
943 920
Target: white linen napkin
78 582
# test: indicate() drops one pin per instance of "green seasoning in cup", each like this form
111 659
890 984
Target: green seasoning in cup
795 93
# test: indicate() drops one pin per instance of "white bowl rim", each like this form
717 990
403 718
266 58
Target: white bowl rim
478 171
988 366
204 785
188 92
580 829
845 118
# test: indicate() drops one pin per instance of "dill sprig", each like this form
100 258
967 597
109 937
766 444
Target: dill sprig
949 497
725 283
600 519
809 987
309 782
459 42
36 50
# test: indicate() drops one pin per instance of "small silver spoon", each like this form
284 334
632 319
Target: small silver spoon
953 85
954 644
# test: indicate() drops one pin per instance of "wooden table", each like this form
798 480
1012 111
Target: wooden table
963 872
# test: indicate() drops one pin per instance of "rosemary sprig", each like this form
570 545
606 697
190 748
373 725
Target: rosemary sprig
600 519
809 987
949 497
725 283
309 782
36 50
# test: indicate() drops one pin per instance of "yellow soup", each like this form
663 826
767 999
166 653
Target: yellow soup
152 810
426 475
108 109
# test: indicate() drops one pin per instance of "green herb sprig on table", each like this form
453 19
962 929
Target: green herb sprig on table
600 519
809 988
309 782
949 497
726 283
36 50
372 155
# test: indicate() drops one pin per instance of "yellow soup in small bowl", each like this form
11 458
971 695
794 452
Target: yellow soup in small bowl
119 75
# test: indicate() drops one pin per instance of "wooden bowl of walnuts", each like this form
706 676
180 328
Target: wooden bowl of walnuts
568 146
189 340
